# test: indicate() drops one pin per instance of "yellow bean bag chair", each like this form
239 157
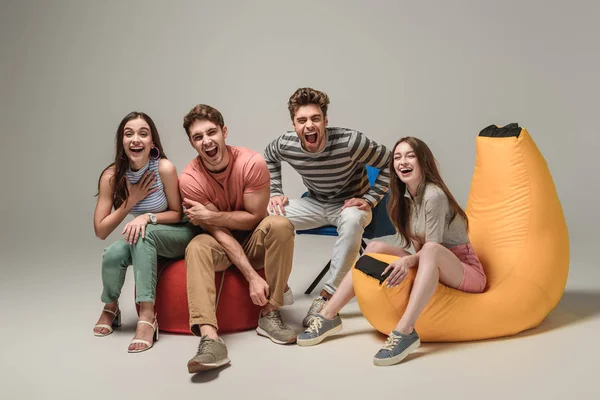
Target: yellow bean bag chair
517 229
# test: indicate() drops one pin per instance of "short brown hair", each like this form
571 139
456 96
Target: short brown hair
200 112
305 96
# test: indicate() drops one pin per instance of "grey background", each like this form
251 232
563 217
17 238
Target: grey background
442 71
72 69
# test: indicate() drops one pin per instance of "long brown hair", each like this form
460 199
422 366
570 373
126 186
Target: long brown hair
121 163
398 207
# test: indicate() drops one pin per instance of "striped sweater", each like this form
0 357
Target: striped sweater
338 172
154 202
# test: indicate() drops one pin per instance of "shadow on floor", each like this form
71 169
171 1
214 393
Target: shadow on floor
208 376
575 306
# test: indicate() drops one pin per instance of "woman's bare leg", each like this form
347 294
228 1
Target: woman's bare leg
436 264
345 292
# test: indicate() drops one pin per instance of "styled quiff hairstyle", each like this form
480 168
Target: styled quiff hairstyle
305 96
203 112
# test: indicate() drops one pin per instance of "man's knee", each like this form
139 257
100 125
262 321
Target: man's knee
353 218
298 210
199 246
279 226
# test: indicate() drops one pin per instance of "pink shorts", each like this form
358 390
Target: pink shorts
474 279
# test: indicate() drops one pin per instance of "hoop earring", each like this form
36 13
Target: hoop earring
157 153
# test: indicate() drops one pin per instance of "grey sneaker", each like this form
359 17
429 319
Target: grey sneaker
273 327
320 327
315 308
396 347
211 354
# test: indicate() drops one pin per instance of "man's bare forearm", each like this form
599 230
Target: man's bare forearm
237 220
234 251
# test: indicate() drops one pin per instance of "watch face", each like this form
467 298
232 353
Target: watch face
153 218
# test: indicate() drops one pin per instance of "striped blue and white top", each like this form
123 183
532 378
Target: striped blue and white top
338 172
155 202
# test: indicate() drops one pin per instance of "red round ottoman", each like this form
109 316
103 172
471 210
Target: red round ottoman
235 310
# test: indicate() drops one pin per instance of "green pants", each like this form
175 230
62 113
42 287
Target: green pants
165 240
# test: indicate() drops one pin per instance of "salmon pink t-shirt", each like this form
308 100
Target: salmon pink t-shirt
246 172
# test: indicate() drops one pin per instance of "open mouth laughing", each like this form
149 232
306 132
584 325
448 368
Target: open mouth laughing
136 149
311 137
405 171
211 151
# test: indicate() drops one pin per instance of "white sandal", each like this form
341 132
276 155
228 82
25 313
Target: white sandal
142 341
116 322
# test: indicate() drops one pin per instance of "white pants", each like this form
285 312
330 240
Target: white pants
308 213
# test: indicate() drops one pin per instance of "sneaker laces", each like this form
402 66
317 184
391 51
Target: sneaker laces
391 342
275 317
205 344
315 325
317 305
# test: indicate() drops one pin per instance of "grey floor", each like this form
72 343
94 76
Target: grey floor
49 351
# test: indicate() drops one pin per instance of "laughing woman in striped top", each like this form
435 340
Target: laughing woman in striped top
143 183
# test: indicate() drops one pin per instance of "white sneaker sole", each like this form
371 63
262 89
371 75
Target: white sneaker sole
385 362
261 332
194 367
319 339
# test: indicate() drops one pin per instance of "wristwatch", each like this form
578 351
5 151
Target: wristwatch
152 218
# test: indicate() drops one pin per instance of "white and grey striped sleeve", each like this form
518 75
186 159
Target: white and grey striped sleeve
378 156
273 158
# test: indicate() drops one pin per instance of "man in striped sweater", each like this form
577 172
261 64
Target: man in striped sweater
331 162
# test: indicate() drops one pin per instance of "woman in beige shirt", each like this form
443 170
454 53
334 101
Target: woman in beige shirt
427 216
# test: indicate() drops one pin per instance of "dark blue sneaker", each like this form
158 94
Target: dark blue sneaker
319 329
396 347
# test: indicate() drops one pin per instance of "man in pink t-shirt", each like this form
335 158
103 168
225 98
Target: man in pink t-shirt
225 191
